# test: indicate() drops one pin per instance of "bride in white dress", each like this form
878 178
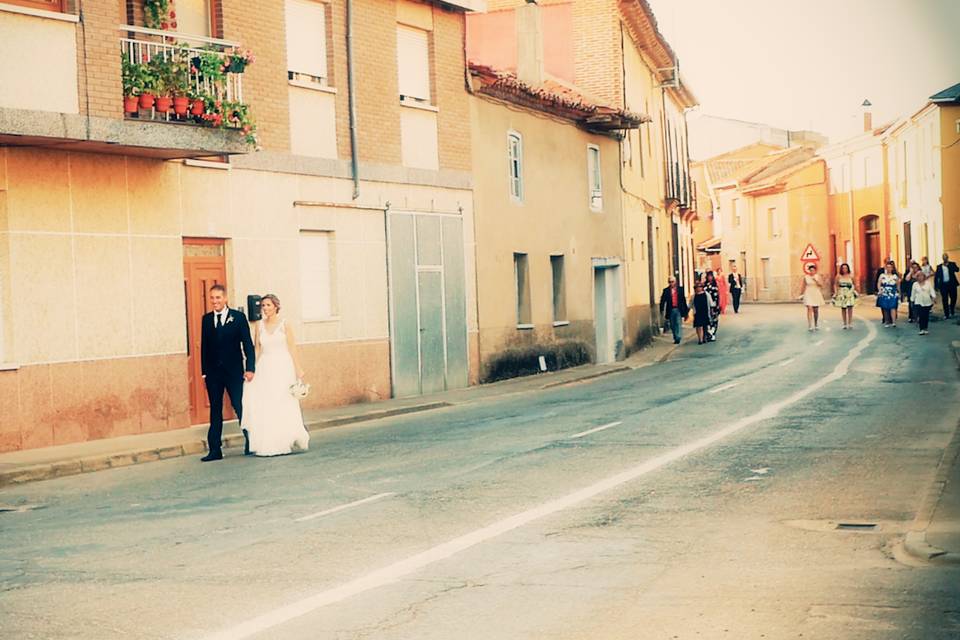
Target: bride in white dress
271 414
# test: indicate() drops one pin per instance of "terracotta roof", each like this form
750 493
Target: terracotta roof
556 98
775 168
725 167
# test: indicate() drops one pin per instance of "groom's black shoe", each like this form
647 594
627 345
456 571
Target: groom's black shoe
246 443
213 455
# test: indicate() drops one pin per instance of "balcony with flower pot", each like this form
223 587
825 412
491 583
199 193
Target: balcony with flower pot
185 80
161 93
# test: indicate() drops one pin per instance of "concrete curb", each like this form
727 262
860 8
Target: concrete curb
63 468
915 542
60 469
916 545
592 376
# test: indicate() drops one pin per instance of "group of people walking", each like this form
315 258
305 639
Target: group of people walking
709 301
920 286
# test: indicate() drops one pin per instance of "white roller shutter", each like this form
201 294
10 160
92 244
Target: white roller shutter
315 275
413 63
306 38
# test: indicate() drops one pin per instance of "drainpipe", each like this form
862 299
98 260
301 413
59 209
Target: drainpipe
351 90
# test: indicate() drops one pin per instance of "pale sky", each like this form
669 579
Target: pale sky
809 64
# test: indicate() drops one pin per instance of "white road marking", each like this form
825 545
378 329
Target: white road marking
724 387
392 573
586 433
818 343
344 507
786 362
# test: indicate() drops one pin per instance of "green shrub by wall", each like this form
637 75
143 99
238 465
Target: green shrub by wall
524 361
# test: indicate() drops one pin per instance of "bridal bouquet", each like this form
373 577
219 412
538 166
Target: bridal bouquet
299 389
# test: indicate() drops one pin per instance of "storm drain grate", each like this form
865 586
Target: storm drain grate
856 526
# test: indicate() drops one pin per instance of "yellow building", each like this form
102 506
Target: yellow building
772 210
615 51
858 207
923 156
711 176
548 219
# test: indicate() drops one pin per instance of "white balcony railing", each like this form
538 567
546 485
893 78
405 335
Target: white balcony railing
141 45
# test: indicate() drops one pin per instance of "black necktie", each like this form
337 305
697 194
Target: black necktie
219 322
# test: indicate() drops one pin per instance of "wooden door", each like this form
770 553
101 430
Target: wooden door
200 272
872 260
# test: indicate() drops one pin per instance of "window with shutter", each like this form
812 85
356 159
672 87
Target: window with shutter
316 274
593 170
413 63
306 41
515 165
46 5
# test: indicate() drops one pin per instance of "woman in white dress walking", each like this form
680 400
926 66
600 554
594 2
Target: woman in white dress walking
812 297
271 413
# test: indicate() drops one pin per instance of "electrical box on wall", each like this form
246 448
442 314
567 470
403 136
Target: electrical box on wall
253 308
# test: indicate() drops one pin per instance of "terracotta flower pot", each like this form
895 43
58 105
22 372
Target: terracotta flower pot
198 107
147 100
163 104
180 105
130 104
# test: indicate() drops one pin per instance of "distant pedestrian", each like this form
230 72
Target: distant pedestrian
906 287
724 288
673 307
812 296
701 312
925 266
946 283
888 296
735 281
845 295
713 292
923 296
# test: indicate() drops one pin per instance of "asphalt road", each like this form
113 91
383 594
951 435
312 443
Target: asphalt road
696 498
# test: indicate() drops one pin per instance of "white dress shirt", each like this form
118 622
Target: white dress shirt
223 313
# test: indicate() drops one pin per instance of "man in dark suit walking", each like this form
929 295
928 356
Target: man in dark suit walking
226 360
673 306
735 281
945 281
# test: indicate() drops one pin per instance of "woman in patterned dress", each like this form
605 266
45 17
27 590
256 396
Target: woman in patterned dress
845 295
713 291
888 294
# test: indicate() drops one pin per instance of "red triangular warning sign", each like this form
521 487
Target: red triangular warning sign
809 254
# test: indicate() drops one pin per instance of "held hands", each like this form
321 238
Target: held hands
248 376
301 374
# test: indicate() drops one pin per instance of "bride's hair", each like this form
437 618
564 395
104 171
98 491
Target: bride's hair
272 298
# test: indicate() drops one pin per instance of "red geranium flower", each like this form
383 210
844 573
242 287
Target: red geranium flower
173 14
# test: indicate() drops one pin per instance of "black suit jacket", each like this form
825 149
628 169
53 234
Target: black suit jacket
227 351
951 282
666 302
731 282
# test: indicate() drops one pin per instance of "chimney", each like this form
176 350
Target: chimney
529 44
867 116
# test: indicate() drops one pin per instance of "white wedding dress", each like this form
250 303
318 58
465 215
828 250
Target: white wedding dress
271 415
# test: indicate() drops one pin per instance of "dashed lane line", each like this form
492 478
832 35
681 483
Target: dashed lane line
601 428
344 507
724 387
394 572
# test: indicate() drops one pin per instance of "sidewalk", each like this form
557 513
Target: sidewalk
935 535
97 455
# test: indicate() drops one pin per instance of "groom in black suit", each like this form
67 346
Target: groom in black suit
226 360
